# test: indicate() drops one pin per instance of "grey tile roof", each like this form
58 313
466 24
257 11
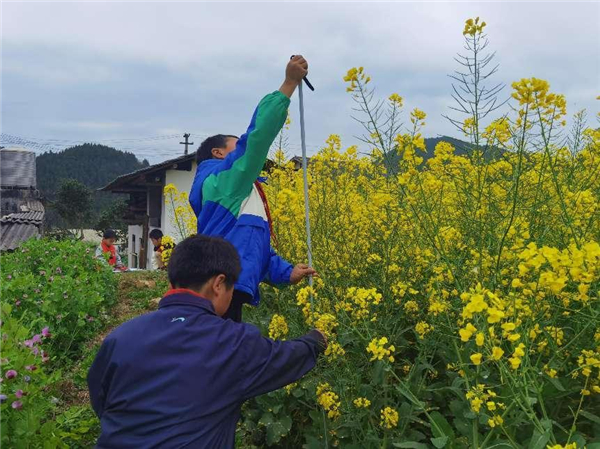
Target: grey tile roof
20 226
13 234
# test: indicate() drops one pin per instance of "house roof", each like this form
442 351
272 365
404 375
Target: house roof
120 183
20 226
12 234
123 180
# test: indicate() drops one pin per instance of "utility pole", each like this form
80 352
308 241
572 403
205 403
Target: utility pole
186 143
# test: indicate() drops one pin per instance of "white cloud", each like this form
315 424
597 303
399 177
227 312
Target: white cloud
202 66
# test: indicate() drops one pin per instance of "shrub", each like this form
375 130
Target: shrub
62 286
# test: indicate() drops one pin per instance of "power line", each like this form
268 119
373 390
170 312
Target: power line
141 147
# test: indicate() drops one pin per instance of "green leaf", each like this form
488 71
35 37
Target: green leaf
313 443
315 416
590 416
410 445
266 419
286 422
440 442
539 440
440 426
275 432
554 381
297 392
378 372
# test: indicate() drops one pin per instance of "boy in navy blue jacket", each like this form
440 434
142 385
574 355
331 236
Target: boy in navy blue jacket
177 377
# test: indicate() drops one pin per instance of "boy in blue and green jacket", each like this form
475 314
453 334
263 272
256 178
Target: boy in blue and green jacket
228 199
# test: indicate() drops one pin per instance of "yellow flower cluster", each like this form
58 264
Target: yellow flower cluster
588 361
334 350
396 100
422 328
180 211
479 396
533 95
356 77
362 403
473 27
388 418
327 399
377 347
358 302
278 327
167 246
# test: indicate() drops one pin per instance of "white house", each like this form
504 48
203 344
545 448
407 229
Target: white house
147 206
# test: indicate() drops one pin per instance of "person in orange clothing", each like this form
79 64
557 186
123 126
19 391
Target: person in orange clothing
107 251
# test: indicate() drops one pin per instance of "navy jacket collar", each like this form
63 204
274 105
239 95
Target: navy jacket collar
185 297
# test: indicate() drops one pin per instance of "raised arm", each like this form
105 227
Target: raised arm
232 179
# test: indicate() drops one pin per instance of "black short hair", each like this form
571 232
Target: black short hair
204 151
109 234
198 258
155 234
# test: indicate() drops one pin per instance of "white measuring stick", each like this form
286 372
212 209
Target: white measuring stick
305 174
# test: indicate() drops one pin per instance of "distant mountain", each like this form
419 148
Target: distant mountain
92 164
460 148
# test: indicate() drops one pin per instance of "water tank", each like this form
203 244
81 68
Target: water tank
17 167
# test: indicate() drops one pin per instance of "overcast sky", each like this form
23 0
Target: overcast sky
134 71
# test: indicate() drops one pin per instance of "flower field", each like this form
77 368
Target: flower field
458 290
55 298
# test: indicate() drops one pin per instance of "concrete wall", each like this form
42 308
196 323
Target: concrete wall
181 179
134 234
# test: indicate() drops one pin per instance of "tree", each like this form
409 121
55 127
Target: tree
111 217
74 204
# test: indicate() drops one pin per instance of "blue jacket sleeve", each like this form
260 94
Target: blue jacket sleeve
270 365
100 376
280 269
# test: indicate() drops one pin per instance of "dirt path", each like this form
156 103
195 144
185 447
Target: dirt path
135 295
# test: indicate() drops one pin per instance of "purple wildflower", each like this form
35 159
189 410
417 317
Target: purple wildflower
37 338
11 374
28 343
27 379
18 303
17 405
9 277
46 332
19 394
31 367
3 398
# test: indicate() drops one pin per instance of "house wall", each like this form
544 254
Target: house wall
181 179
135 232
